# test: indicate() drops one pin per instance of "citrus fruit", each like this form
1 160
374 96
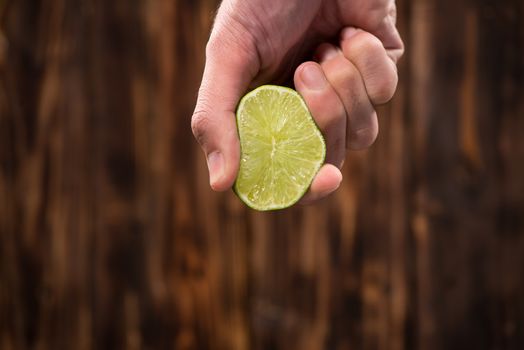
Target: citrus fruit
282 148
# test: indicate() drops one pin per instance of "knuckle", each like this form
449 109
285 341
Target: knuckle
351 76
362 138
343 75
384 88
200 123
365 43
378 70
372 43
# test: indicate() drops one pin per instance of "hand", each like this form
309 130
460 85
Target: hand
258 41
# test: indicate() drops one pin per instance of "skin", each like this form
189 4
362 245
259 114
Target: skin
341 55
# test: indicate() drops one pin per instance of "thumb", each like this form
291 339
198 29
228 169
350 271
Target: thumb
231 64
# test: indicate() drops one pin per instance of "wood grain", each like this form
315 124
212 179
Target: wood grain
110 237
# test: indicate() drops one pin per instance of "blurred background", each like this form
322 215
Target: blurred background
110 237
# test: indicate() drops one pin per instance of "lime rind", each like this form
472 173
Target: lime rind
280 185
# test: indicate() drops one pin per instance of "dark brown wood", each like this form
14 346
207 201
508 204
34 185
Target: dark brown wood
111 239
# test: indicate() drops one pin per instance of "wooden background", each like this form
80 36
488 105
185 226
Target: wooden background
111 239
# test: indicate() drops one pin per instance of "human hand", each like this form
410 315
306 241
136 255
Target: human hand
259 41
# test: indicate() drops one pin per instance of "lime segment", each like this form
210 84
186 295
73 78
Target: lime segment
282 148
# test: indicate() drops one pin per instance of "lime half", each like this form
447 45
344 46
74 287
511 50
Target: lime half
282 148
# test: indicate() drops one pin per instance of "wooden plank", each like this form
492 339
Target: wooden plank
111 238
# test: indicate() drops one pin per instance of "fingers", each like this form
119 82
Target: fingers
326 107
326 182
387 32
226 78
344 77
341 93
330 115
369 56
379 19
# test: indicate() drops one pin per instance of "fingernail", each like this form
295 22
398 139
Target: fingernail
348 33
215 164
313 77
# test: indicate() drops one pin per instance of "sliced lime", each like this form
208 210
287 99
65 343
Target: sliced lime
282 148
